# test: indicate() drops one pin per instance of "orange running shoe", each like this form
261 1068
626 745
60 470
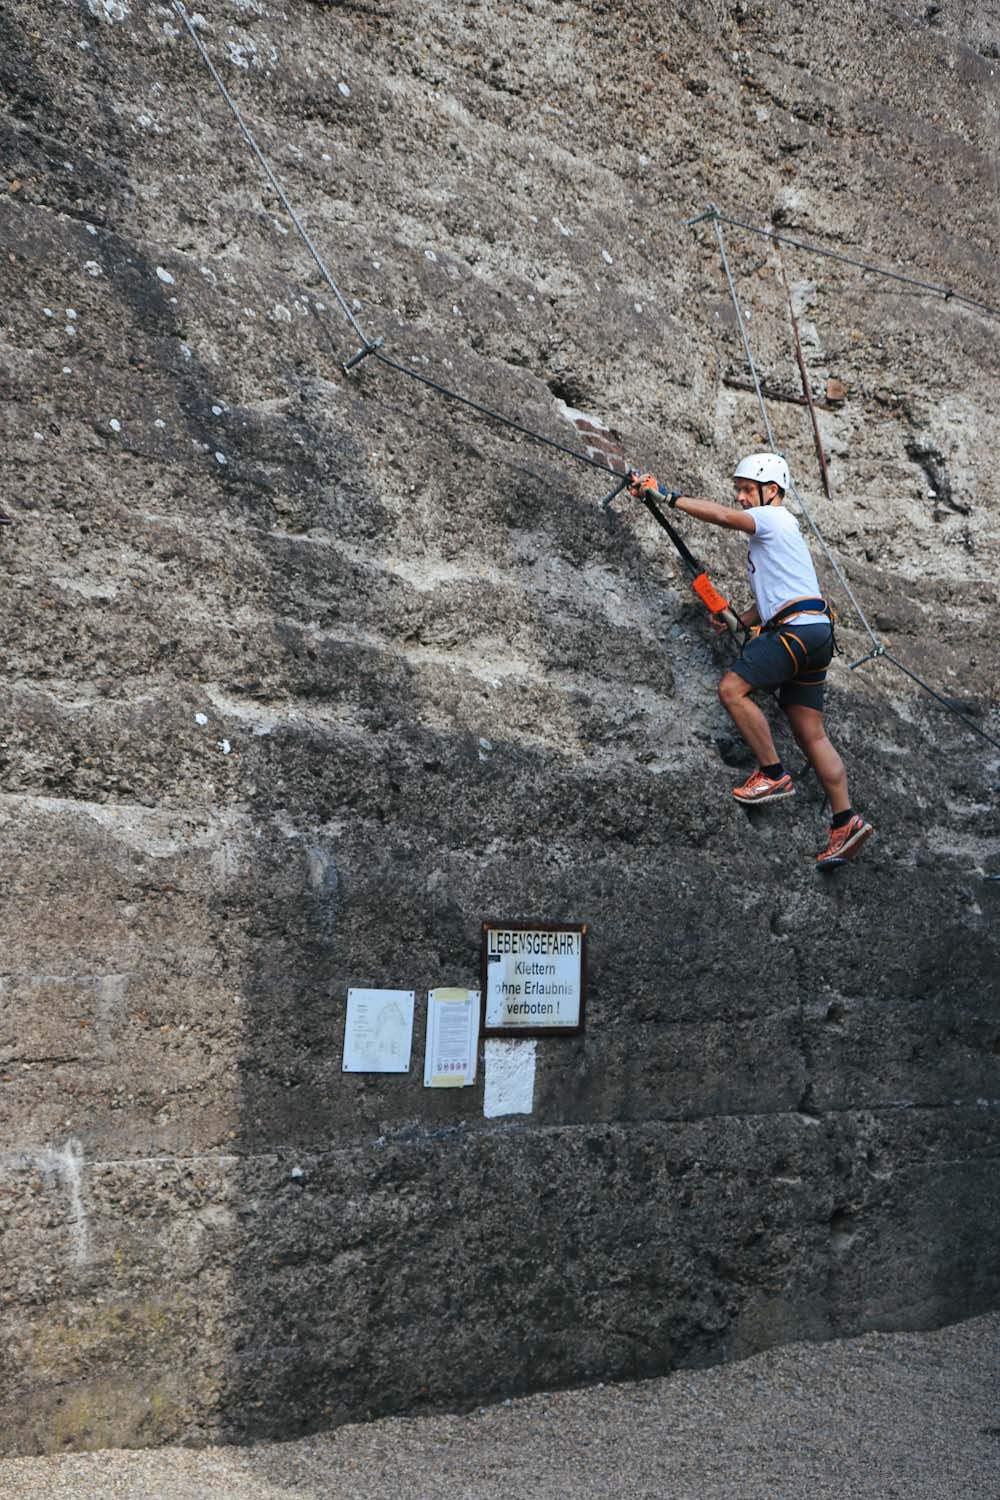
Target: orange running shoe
845 843
761 788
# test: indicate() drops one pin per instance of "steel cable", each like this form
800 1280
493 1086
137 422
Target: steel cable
770 436
248 137
538 437
373 349
880 649
948 293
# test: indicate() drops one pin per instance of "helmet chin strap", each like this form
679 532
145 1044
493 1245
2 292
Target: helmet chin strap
760 491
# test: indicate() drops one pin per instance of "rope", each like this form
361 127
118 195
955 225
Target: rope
948 293
879 648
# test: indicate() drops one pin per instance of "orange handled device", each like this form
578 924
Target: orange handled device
716 604
709 594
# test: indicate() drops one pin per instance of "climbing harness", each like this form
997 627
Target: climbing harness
879 649
806 606
373 348
805 674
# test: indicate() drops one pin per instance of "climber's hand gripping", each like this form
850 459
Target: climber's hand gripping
639 485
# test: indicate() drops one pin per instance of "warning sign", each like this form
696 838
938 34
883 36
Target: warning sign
533 977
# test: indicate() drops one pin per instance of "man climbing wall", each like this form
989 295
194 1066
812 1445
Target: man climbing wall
790 646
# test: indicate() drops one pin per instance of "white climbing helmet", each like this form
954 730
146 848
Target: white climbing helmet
763 468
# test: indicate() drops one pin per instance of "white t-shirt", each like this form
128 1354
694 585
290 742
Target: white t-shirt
779 566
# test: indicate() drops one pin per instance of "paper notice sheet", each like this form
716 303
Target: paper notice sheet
379 1031
452 1038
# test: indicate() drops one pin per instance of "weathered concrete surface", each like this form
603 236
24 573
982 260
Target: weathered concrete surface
910 1413
306 676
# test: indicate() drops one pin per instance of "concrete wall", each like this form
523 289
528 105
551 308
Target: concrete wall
307 676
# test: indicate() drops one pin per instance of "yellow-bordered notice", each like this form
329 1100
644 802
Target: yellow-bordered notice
452 1041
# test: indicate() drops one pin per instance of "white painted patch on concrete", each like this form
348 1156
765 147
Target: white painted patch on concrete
220 458
92 268
164 276
510 1078
115 425
344 90
607 257
110 995
66 1167
562 228
201 718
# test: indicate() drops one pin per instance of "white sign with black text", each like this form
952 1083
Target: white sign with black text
534 977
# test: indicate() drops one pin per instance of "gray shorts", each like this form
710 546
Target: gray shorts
793 659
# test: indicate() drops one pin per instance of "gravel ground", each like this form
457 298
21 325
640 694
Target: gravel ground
909 1415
